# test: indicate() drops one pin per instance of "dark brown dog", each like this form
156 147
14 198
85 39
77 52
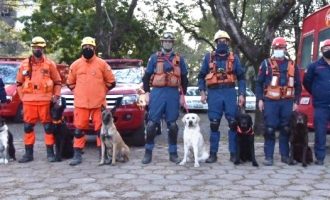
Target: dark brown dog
245 140
299 149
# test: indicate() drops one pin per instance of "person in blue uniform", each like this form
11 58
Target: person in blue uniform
278 90
167 74
3 95
219 73
317 83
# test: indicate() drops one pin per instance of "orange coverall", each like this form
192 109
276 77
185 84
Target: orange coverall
37 82
90 81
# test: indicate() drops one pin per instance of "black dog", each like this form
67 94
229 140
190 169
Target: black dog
245 140
299 149
7 149
63 137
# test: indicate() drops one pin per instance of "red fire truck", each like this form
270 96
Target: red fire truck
315 29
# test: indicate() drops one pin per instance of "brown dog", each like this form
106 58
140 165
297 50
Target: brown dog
112 143
299 149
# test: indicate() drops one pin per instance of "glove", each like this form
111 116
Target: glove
55 99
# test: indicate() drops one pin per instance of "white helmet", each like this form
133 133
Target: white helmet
221 34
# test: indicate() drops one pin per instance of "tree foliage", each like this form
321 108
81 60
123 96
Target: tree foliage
64 23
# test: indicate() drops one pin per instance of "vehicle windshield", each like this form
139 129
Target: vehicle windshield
131 75
8 72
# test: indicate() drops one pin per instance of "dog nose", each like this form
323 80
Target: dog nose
191 123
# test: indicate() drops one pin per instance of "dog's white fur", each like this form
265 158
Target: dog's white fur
112 143
193 139
4 144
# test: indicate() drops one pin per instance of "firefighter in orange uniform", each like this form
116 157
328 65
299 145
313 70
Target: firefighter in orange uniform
90 78
38 83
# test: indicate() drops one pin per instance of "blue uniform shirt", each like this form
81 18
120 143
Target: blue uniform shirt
221 63
317 83
265 76
2 91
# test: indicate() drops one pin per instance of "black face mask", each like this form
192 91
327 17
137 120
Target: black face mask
222 48
37 53
88 53
326 54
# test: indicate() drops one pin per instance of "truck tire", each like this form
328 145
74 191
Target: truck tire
137 138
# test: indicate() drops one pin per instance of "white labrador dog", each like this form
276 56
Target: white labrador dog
193 139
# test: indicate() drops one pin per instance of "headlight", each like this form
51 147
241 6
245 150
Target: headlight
129 99
304 100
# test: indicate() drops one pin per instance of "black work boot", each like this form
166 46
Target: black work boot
28 156
232 157
212 158
76 160
174 157
50 153
147 157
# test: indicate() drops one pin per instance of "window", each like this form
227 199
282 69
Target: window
307 51
323 35
8 73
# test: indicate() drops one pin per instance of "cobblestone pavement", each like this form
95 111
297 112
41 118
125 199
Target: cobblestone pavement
160 179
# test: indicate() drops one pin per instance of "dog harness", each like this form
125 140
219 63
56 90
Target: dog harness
248 132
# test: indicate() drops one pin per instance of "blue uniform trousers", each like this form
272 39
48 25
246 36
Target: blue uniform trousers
277 114
222 100
321 120
164 103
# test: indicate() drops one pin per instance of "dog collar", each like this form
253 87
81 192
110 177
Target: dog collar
58 121
248 132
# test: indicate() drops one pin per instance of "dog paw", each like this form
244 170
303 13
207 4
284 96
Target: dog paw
196 165
237 162
182 163
304 165
255 164
5 161
101 163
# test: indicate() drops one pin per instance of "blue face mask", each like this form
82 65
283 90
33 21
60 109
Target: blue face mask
222 48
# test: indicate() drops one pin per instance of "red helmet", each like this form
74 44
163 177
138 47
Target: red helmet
279 42
326 43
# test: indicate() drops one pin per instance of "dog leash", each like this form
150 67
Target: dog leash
180 87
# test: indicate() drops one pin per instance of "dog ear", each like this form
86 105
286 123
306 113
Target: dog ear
184 119
197 118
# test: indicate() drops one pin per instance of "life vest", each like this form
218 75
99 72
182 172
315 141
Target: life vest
37 82
218 77
163 79
274 90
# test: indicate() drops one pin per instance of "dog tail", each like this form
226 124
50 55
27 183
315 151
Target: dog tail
204 156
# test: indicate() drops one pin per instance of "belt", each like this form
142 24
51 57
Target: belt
222 85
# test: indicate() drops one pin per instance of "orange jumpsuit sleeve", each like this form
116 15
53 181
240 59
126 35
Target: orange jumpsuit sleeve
109 78
55 76
20 80
71 80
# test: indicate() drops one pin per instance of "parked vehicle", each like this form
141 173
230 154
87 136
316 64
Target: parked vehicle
315 29
8 71
193 99
128 117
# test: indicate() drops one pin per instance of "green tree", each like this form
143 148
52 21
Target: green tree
64 23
